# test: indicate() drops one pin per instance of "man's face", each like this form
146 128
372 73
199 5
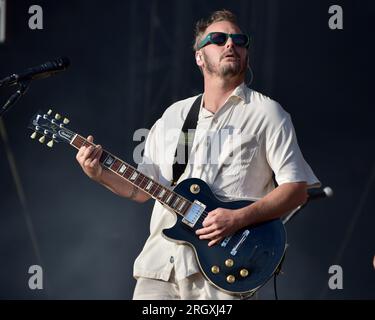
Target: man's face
224 61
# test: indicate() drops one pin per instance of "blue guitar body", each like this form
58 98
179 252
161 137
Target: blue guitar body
240 264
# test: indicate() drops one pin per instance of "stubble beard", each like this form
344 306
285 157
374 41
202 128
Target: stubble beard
226 70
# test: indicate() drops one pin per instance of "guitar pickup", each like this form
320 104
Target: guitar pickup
194 213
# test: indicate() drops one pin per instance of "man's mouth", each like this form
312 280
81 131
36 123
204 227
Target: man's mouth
230 56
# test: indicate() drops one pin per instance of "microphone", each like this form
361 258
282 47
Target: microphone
38 72
319 193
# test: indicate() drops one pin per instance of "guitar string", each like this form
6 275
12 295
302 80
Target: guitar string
158 186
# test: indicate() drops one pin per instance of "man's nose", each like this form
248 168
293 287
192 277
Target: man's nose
230 43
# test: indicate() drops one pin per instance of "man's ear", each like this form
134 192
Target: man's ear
198 58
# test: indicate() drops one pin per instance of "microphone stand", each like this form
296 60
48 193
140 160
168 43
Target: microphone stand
22 88
289 217
285 220
293 213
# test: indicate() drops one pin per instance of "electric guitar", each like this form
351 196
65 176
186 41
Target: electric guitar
239 265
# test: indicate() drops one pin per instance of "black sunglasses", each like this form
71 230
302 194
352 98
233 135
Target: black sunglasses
220 38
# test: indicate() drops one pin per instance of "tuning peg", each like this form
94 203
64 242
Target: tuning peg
33 135
66 121
50 144
49 112
57 116
42 139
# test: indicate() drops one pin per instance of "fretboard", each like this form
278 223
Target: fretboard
157 191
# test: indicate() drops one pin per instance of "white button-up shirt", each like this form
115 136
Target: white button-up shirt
235 151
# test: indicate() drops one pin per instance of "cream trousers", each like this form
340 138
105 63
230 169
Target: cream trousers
194 287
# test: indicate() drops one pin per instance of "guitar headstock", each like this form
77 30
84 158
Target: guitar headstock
52 127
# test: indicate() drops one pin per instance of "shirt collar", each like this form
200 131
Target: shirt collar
204 113
241 92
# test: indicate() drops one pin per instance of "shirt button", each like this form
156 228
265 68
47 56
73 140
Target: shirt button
171 259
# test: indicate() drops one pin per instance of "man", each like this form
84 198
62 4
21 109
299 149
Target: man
164 269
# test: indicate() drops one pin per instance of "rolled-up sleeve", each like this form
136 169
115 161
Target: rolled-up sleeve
285 157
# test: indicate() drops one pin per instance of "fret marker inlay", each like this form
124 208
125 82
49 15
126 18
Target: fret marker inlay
134 175
161 194
176 202
122 169
181 206
109 160
169 198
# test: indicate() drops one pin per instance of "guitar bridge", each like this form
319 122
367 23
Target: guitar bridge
239 243
194 213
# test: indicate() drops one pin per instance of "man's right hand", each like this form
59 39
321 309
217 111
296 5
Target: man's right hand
88 158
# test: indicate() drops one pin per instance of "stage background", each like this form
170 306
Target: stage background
129 61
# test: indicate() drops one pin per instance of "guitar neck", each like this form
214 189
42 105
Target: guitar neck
157 191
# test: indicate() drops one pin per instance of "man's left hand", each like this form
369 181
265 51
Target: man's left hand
218 224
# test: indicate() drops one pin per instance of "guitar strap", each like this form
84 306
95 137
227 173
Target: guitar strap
185 141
